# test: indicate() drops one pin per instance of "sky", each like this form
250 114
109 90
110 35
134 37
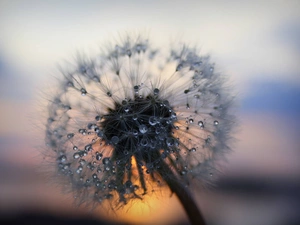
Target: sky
255 43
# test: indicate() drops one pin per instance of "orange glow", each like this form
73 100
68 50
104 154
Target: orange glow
158 206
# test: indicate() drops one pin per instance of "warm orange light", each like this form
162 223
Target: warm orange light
158 205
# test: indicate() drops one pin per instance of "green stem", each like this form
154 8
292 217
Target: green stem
183 194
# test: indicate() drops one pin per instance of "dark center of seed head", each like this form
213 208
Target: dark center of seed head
140 124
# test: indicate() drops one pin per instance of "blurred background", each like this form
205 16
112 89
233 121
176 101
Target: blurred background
256 43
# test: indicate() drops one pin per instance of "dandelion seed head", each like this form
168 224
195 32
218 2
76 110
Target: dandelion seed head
118 116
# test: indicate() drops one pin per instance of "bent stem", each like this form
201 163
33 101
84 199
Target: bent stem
184 195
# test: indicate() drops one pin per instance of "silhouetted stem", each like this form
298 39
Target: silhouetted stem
183 193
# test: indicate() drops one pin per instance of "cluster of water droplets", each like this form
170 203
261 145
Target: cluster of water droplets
123 114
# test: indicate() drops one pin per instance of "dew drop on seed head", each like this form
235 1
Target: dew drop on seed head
152 120
88 147
96 79
97 118
134 117
128 52
201 124
136 89
179 67
144 142
216 122
70 84
156 91
115 140
192 149
105 161
91 126
99 156
76 155
100 133
170 141
75 148
191 121
70 135
83 91
62 158
143 128
79 169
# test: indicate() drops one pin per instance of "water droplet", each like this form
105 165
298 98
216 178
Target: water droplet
100 133
152 120
76 155
211 69
136 89
191 121
192 149
98 118
88 147
156 91
216 123
128 52
106 161
134 117
83 91
179 67
173 115
115 140
188 106
70 135
75 148
70 84
82 162
82 131
170 141
66 166
62 158
201 124
158 130
144 142
99 156
79 169
143 128
207 140
91 126
183 172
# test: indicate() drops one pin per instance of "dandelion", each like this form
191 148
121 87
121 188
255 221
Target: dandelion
135 115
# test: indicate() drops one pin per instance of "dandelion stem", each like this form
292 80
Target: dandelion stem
183 194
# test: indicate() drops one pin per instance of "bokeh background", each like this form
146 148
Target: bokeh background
256 43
